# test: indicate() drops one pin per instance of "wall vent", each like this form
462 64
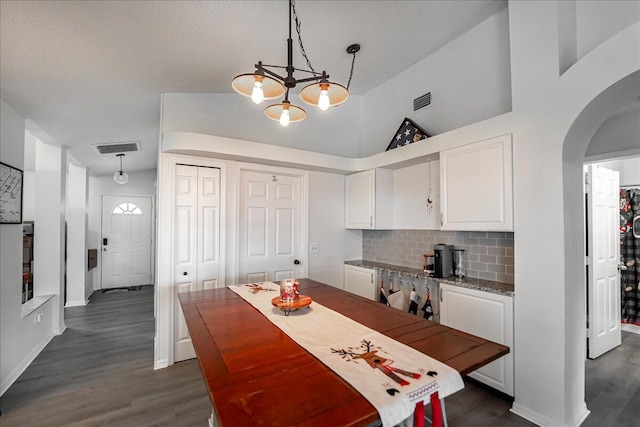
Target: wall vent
422 101
118 147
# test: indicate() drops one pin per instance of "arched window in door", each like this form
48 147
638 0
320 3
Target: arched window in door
127 209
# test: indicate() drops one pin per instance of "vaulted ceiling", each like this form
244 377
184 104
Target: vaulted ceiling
90 72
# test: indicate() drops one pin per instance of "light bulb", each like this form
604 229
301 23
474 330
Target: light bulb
284 117
257 95
121 177
323 102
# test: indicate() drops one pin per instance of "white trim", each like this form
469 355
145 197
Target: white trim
541 420
13 376
69 304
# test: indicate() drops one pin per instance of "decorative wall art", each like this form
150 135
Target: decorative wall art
407 133
10 194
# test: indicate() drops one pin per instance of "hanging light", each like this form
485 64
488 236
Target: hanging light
266 84
120 177
285 113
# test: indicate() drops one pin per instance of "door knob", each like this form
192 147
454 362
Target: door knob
296 262
184 274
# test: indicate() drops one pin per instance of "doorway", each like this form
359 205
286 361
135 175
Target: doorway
126 241
603 258
271 237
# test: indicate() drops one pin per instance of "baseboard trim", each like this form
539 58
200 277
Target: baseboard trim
543 421
75 304
7 382
160 364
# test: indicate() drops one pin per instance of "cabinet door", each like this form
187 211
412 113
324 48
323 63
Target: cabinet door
360 199
360 281
476 186
489 316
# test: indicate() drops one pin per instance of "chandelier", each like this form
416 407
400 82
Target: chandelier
265 84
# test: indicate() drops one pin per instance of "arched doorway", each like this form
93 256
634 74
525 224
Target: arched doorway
578 138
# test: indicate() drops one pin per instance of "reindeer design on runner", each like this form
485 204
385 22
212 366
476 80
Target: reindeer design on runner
377 362
254 288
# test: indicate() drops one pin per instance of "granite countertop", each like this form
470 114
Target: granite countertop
467 282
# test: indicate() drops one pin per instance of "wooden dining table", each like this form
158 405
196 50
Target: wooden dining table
256 375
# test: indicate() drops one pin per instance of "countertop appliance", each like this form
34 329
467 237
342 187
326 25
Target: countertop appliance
443 260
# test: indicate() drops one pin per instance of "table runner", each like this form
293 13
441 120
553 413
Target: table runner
392 376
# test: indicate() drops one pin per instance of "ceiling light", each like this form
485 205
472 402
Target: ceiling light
265 84
120 177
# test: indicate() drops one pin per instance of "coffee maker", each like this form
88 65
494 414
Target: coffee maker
443 260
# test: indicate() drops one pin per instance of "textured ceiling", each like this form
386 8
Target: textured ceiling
92 72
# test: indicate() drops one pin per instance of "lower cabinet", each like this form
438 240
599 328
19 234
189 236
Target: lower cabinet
489 316
360 281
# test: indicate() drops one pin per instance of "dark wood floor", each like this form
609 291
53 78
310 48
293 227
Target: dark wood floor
100 373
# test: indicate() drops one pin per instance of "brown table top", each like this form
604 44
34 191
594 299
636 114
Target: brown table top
257 375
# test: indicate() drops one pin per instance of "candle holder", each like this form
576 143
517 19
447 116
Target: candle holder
289 290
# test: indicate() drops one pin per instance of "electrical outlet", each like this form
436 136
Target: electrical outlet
38 318
314 248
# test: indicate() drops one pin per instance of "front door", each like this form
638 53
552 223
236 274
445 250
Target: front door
603 247
126 241
270 221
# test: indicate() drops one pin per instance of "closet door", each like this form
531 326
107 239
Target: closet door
197 242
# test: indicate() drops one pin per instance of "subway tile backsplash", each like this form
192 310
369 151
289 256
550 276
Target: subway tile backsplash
489 254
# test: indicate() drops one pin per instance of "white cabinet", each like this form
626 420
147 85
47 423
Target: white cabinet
369 199
476 183
360 281
489 316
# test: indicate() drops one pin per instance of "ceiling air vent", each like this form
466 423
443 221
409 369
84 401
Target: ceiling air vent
422 101
118 147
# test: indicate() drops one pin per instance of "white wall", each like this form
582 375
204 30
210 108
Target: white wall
469 80
619 134
21 339
49 227
629 170
597 21
326 228
139 184
334 131
410 193
76 217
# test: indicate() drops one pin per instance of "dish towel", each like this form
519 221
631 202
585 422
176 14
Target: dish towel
392 376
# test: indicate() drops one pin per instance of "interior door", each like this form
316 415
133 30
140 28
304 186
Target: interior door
603 248
197 242
270 227
126 241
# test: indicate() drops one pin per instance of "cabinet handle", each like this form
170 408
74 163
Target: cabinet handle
371 277
371 221
440 291
441 219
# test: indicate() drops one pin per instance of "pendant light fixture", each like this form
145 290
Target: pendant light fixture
265 84
120 177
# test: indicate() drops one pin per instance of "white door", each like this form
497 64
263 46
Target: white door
197 242
270 227
603 248
126 241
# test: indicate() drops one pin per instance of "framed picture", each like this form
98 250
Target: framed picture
408 132
10 194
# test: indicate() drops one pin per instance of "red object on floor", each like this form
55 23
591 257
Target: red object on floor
436 412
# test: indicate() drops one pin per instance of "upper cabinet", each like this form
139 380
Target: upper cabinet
476 186
369 199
